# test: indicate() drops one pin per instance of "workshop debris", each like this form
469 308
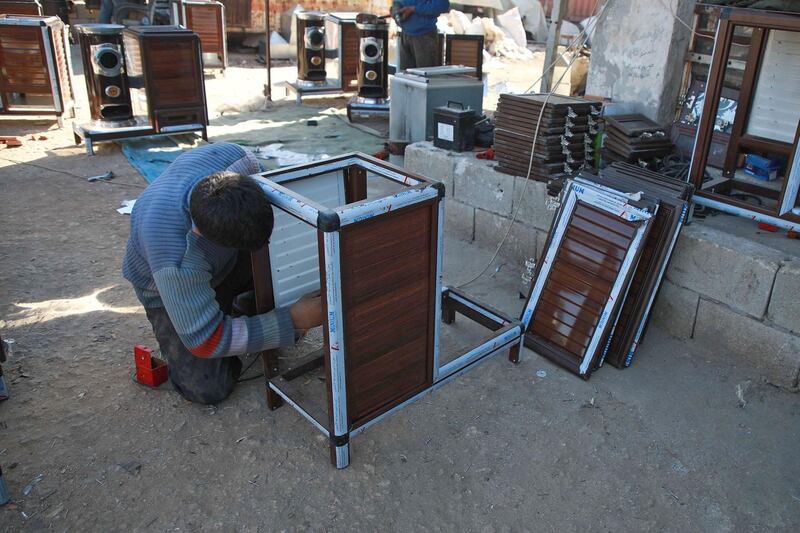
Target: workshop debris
29 487
131 467
127 207
11 142
562 127
101 177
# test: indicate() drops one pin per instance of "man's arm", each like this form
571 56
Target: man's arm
205 330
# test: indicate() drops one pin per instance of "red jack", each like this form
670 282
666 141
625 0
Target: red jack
150 371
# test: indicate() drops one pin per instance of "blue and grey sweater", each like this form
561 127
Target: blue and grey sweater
423 20
170 266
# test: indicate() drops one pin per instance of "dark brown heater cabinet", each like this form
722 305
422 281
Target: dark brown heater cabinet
35 77
20 7
165 74
311 47
104 71
165 77
466 50
373 68
207 19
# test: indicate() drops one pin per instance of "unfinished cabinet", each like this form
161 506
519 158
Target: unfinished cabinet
35 74
207 19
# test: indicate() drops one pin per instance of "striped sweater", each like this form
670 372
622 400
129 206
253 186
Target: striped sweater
172 267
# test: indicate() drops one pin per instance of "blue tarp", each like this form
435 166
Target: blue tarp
151 155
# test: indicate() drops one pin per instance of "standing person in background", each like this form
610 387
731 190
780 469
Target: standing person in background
106 11
419 40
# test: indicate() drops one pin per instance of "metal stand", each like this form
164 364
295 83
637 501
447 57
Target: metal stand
105 132
302 88
367 107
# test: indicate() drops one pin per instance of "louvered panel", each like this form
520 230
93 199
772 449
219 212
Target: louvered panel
388 277
206 21
775 109
665 227
589 259
293 253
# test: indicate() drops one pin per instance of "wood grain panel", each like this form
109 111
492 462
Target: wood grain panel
388 272
206 21
579 285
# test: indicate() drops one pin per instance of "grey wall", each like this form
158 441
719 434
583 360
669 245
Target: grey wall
638 52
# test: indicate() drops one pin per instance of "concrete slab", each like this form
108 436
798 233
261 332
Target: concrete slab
736 339
520 245
784 305
722 267
533 210
431 162
478 183
675 310
459 220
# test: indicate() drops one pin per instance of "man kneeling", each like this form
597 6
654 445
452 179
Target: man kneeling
188 258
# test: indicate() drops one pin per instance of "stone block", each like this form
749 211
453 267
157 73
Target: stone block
477 183
459 220
784 307
675 310
533 210
520 245
724 333
425 159
725 268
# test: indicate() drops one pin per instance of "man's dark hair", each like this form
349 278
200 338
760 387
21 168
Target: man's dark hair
231 210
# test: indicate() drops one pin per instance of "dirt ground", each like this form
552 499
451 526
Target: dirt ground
679 442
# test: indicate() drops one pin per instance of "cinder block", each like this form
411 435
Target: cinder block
459 220
725 333
477 183
533 208
725 268
520 244
425 159
784 307
675 310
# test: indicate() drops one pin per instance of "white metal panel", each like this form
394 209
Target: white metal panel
775 108
293 247
793 183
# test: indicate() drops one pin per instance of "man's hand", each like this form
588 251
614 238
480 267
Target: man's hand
406 11
307 312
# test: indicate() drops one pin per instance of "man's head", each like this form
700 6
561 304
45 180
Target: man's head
231 210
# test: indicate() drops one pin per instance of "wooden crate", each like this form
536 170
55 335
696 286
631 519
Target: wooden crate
35 75
165 74
207 19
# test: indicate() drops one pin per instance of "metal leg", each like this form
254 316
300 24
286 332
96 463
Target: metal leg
513 353
89 146
337 390
270 360
60 121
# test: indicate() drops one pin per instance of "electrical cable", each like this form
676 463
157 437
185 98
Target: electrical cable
249 366
530 165
71 174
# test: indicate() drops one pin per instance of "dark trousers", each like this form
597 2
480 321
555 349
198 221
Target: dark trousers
417 51
201 380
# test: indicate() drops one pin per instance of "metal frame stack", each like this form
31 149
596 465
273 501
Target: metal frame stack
587 265
564 142
635 139
673 196
207 19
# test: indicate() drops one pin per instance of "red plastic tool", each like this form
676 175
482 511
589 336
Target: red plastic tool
150 371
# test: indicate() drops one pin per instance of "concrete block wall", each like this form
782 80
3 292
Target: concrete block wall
735 298
481 201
